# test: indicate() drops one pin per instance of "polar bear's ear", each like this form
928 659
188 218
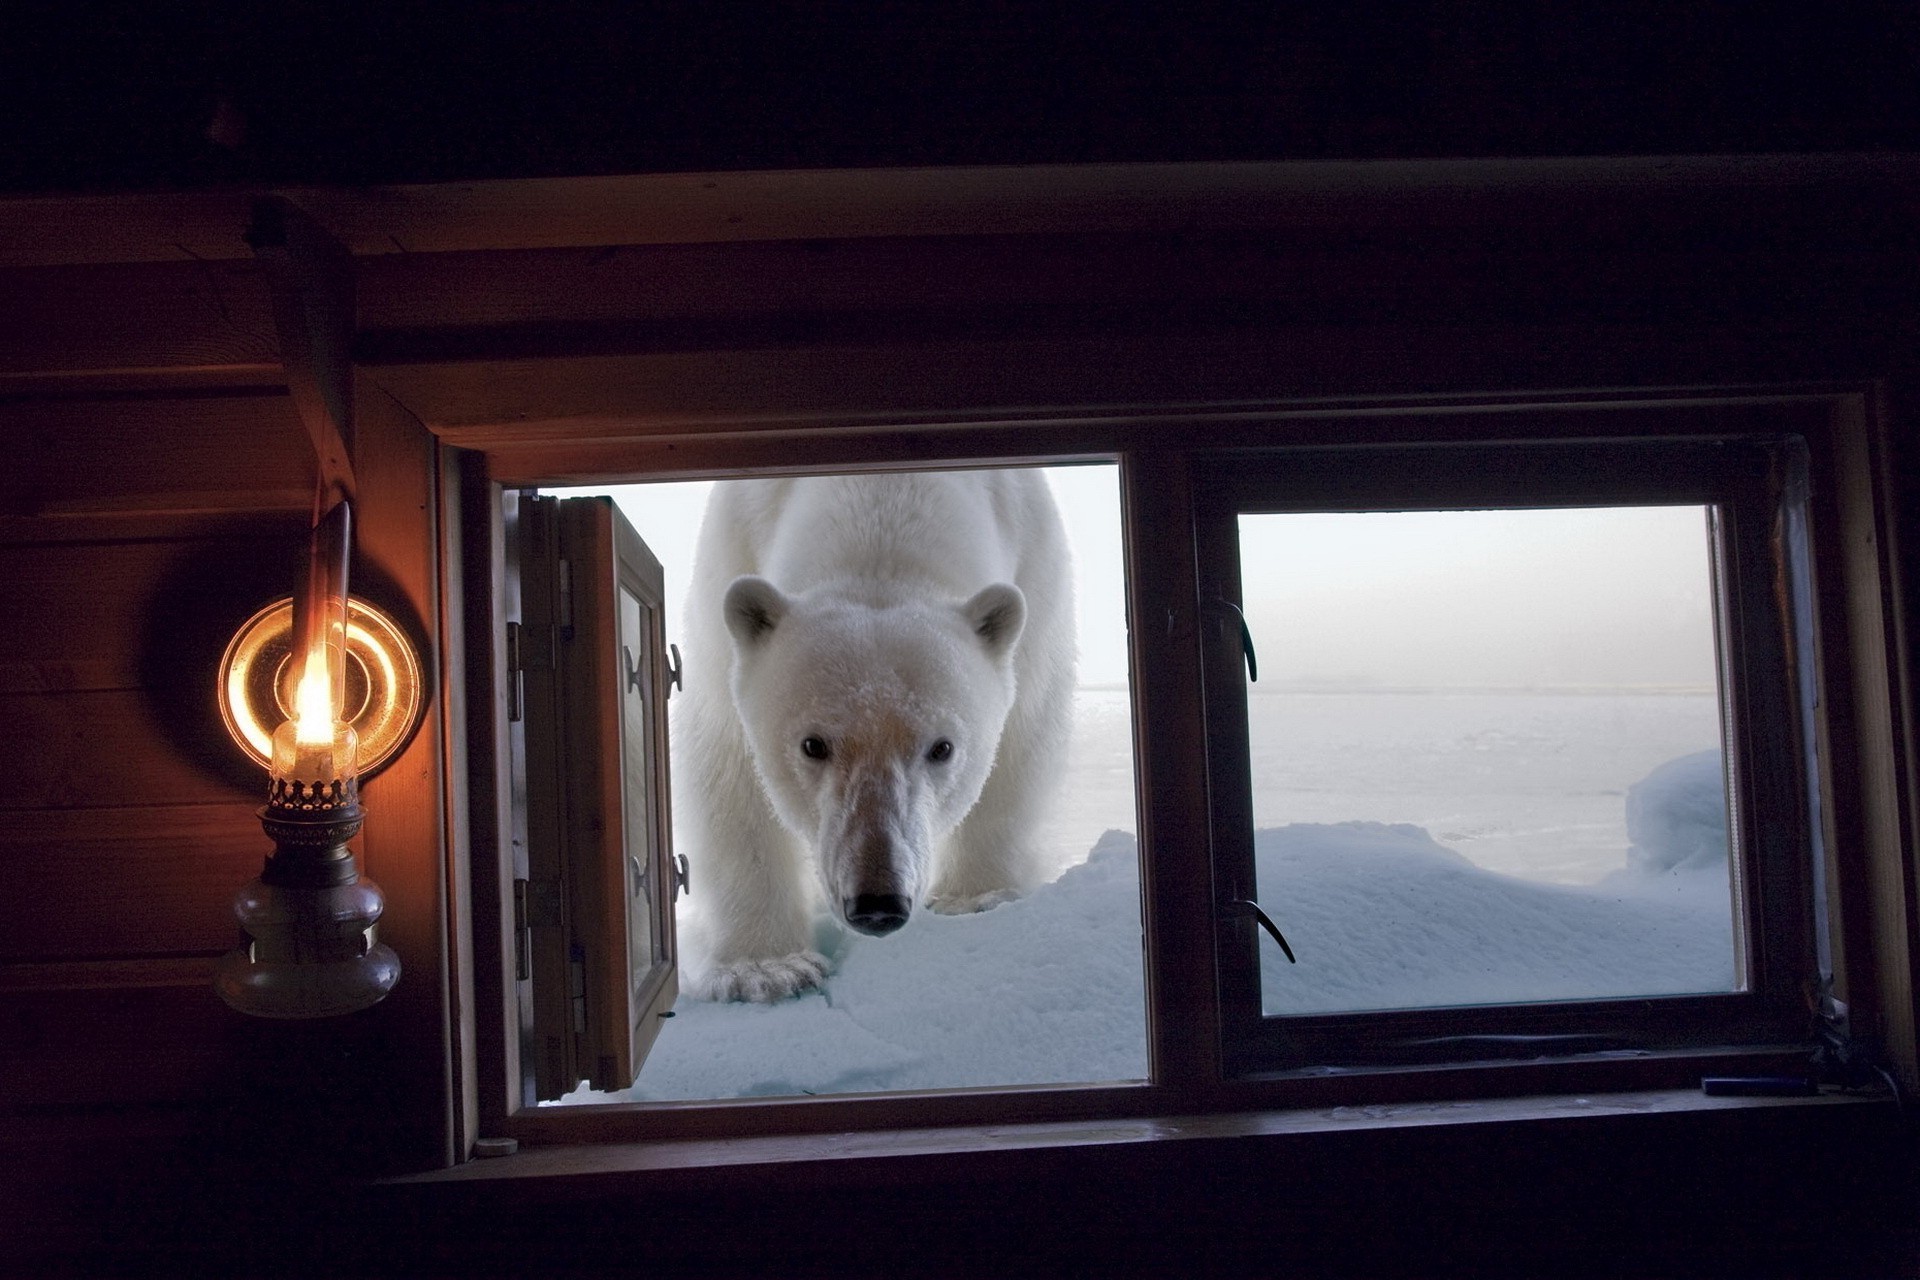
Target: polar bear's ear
997 616
753 608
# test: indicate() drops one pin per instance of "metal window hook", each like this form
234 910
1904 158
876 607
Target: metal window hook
1246 639
1247 906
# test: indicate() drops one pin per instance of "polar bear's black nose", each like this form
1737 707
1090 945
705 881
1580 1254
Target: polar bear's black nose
878 913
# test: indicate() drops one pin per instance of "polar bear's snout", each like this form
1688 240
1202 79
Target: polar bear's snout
878 891
877 914
874 847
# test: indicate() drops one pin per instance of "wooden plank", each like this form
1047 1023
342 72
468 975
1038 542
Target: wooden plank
127 528
122 882
1176 872
405 840
690 1157
483 566
179 380
140 456
825 387
1041 438
109 749
77 612
159 227
1863 553
113 655
809 279
1338 196
80 615
549 1039
578 300
124 1047
101 975
145 316
465 840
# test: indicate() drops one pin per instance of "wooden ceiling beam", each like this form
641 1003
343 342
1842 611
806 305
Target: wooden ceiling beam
1601 195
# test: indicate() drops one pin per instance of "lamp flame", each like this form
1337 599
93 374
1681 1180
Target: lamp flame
313 702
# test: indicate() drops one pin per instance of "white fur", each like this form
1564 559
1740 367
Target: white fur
879 615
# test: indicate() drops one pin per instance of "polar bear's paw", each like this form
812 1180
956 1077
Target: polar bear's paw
965 904
765 980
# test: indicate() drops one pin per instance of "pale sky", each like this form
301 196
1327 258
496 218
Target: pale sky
1607 597
1424 599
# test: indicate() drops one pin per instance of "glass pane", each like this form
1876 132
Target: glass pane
637 768
1486 757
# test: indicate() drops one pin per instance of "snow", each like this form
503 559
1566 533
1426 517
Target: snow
1383 917
1419 846
1048 989
1677 816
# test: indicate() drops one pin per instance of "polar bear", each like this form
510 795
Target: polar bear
879 683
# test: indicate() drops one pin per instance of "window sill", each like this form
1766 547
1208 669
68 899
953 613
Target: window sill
971 1152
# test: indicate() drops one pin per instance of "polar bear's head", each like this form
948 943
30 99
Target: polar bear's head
873 727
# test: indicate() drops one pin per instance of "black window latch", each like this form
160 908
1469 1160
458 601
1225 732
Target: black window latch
1246 642
1246 906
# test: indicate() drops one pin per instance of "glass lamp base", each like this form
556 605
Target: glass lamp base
312 954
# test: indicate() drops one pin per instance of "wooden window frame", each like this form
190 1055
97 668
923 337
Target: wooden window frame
1157 453
1756 488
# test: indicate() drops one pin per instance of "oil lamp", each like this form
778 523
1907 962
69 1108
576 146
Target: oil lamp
310 915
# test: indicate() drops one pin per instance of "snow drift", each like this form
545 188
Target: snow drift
1048 989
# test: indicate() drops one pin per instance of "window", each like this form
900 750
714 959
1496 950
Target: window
1438 956
1219 1024
948 1001
1486 755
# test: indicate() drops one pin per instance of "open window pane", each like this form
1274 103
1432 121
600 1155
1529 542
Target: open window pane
591 929
1486 757
1045 988
647 870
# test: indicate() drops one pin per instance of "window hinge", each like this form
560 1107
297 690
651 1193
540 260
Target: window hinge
536 905
514 670
539 901
577 989
522 968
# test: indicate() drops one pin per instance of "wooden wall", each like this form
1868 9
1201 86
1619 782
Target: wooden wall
154 493
154 486
135 528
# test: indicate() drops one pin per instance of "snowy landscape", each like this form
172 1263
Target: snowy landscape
1048 989
1560 838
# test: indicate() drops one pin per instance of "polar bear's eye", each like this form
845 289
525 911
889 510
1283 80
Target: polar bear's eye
814 748
940 751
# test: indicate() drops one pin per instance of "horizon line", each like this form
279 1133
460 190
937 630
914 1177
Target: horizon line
1304 686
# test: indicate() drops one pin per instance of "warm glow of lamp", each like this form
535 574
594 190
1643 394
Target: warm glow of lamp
309 917
313 704
315 750
384 690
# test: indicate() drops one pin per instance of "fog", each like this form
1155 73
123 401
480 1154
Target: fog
1619 597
